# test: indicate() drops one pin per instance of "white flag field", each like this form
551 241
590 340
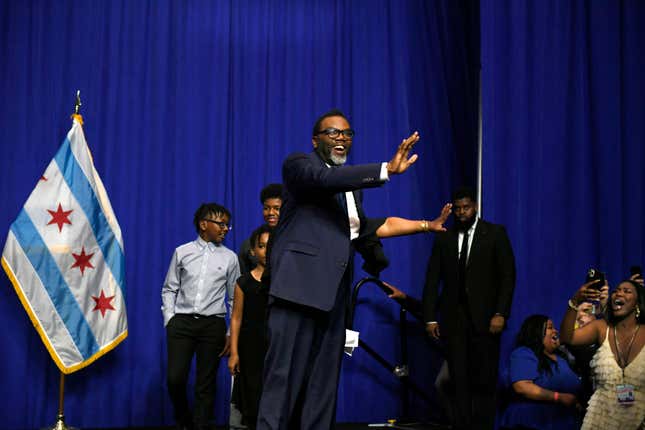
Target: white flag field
64 256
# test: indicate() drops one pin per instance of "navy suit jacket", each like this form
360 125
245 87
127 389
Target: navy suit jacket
310 247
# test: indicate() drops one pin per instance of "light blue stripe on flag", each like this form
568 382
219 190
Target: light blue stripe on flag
43 263
86 198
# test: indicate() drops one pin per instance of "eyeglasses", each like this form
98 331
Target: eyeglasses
221 224
334 132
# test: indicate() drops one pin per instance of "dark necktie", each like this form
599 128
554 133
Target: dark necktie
342 201
463 258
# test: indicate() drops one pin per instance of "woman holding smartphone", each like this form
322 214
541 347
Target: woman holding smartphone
618 366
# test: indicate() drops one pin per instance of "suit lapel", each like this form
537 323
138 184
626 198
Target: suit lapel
481 233
339 207
453 240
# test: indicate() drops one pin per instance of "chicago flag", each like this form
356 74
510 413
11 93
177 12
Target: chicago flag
64 256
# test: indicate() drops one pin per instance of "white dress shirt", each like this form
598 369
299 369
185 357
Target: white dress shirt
352 211
460 239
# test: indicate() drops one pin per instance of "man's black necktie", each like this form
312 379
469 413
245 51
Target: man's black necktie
463 258
342 201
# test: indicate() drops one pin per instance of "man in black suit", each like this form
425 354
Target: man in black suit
311 255
474 261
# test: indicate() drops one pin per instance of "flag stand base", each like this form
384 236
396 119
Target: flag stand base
60 418
60 424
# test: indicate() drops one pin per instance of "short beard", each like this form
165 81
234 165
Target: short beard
463 226
338 160
329 157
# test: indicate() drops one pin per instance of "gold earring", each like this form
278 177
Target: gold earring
638 312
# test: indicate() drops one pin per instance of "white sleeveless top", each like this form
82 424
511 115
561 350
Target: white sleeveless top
604 412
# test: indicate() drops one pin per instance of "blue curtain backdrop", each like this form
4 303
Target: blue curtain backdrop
186 102
564 126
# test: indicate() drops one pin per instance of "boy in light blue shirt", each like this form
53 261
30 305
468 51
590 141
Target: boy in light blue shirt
200 279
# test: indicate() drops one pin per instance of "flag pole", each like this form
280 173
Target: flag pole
60 418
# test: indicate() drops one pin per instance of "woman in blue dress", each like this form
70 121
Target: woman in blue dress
544 388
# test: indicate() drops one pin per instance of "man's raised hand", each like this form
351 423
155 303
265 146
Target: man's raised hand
401 159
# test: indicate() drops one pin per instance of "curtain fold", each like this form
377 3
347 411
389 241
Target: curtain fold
563 136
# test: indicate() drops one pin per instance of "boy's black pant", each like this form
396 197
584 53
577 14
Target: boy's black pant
205 337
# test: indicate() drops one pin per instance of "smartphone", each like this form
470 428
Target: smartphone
636 270
594 274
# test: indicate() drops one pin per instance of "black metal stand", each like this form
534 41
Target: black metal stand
401 370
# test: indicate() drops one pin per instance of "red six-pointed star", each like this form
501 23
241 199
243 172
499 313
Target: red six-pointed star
103 303
82 260
60 217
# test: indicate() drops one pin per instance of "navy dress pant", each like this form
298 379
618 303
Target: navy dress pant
302 365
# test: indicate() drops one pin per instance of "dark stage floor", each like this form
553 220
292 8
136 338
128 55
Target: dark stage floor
340 426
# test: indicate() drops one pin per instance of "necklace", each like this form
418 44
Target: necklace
622 361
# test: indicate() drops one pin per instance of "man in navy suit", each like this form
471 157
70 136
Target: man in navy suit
311 269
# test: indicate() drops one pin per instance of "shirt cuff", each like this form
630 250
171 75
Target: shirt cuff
432 322
383 176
